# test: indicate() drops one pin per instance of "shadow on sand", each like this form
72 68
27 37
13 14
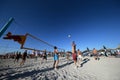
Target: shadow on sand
84 61
5 69
27 74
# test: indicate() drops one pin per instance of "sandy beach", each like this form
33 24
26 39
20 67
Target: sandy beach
104 69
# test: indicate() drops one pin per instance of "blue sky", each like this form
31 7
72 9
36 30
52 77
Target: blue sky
91 23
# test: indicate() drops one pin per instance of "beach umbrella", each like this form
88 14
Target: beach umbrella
101 50
88 49
104 47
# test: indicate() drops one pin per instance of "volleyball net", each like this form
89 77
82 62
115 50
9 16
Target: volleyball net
20 42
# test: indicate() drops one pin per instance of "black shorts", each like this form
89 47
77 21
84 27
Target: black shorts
44 57
95 54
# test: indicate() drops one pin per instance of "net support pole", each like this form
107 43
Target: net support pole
4 28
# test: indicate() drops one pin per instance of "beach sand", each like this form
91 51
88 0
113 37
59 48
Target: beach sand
104 69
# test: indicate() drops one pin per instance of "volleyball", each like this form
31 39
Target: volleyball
69 36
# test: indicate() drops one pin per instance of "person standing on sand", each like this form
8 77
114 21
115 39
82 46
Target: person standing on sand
24 56
17 57
68 56
36 55
79 57
56 58
74 53
95 54
44 56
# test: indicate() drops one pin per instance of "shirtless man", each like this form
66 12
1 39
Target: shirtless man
24 56
95 54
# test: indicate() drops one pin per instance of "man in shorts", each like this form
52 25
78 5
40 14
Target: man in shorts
24 56
95 54
56 58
